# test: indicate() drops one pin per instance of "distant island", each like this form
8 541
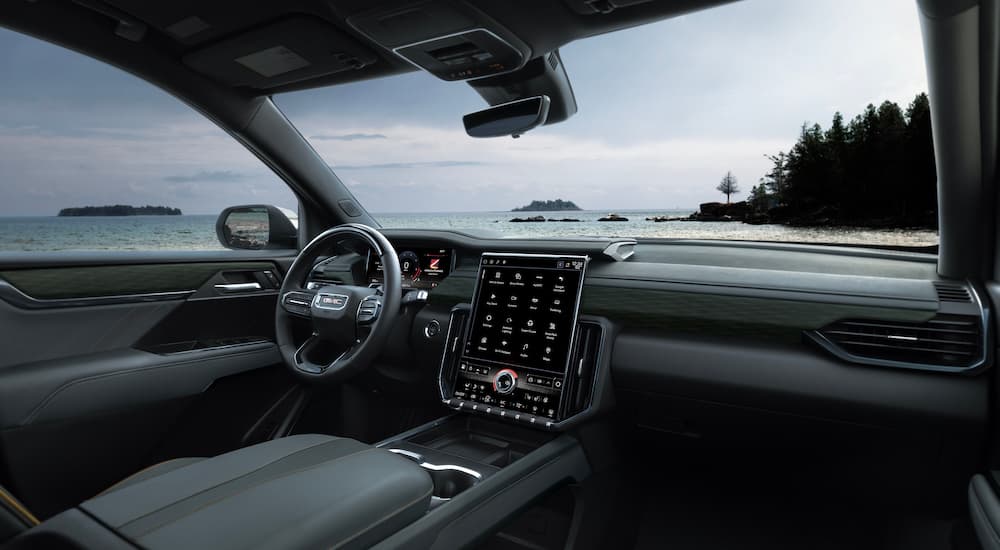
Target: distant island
547 206
120 210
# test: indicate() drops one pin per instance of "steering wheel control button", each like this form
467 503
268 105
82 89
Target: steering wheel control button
297 302
334 302
505 381
368 309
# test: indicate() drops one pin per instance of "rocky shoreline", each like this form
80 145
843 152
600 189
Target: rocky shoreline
823 216
745 213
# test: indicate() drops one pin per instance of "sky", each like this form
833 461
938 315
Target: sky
665 110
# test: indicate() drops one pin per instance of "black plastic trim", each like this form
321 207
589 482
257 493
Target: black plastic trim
10 294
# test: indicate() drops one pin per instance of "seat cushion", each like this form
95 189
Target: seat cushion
14 517
302 491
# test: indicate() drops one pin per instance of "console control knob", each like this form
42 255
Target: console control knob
432 329
505 381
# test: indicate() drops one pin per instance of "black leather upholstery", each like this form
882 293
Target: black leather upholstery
297 492
14 517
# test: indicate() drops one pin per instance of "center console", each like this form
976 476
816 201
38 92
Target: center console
521 352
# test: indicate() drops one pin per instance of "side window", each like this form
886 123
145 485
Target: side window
93 158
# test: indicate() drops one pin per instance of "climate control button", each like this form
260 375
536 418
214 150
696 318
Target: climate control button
505 381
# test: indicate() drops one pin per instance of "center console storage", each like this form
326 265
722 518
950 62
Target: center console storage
484 472
460 451
302 491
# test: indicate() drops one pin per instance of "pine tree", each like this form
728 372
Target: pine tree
728 186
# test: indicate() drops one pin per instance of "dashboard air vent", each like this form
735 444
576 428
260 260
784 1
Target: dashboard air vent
946 342
952 292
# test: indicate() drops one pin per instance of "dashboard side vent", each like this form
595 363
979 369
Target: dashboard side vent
580 380
946 342
952 292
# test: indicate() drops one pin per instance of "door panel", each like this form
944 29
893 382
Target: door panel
33 336
106 366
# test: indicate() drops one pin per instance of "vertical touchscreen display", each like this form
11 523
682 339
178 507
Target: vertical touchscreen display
525 309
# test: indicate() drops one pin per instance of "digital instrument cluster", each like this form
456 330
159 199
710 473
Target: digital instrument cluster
422 268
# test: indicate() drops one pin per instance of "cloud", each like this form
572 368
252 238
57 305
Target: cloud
347 137
409 165
225 176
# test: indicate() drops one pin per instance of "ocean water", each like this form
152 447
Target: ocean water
638 227
197 232
45 233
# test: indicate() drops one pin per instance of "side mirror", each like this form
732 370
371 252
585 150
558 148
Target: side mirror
256 227
508 119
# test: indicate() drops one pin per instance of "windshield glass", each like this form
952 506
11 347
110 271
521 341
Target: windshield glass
775 120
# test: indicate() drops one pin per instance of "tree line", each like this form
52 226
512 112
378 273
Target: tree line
876 170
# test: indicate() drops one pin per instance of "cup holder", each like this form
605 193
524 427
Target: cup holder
449 480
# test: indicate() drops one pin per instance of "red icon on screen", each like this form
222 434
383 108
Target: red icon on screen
435 262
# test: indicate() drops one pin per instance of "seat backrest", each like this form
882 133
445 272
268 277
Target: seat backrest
14 517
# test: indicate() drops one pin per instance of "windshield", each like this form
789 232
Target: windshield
765 120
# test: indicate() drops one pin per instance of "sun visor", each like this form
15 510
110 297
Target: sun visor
293 49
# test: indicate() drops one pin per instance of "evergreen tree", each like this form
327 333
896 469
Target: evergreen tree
877 169
775 182
758 198
728 186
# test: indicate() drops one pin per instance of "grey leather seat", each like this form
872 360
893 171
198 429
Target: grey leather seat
305 491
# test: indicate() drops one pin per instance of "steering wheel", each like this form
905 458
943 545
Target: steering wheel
349 322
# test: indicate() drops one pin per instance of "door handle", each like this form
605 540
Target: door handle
238 287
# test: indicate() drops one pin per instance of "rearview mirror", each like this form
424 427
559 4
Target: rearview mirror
255 227
508 119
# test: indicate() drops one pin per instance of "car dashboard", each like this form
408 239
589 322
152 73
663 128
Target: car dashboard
672 334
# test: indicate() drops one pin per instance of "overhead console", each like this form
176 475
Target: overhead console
452 41
521 352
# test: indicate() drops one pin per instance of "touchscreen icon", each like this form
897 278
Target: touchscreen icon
496 275
435 262
483 340
489 318
531 323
